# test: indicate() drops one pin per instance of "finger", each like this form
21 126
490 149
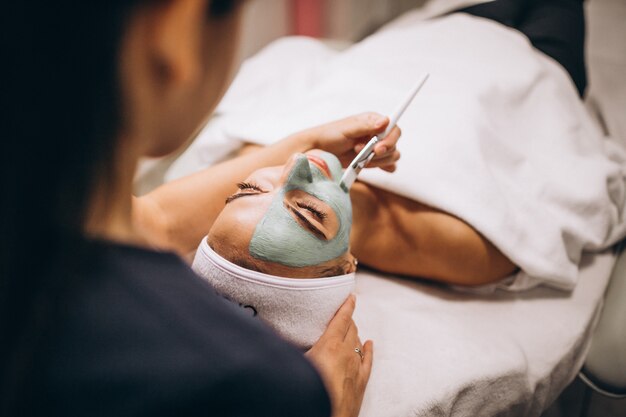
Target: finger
389 168
368 360
389 141
382 162
364 124
358 142
341 322
380 150
386 145
352 336
383 151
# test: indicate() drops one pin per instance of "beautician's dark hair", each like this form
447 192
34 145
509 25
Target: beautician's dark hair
60 120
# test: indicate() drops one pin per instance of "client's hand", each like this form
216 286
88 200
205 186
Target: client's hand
344 370
346 137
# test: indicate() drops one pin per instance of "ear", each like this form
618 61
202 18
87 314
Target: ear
175 39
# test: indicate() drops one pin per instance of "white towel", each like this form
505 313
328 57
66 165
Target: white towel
498 136
297 309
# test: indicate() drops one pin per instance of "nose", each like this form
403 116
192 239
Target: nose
298 170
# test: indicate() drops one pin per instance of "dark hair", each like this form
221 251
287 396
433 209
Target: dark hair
319 271
61 114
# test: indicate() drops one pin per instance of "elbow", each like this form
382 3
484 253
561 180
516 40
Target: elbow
476 275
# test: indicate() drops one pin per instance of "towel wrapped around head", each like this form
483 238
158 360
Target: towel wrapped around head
298 309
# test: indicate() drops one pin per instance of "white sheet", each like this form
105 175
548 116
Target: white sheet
504 144
440 353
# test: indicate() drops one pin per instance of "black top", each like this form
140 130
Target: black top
144 335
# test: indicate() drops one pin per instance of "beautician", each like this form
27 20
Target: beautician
98 316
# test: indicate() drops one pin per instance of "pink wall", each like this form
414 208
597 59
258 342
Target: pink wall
308 17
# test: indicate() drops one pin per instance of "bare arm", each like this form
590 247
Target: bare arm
398 235
179 214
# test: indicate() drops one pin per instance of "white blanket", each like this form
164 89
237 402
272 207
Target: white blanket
442 353
497 137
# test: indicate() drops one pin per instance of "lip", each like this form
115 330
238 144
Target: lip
320 163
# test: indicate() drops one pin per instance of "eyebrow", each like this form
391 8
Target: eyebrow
312 228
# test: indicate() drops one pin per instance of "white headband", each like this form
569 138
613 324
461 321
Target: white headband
299 309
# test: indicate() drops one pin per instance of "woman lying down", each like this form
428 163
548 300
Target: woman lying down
284 240
285 245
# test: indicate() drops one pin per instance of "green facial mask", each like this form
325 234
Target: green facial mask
278 237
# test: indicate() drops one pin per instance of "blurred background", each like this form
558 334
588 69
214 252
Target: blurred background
339 20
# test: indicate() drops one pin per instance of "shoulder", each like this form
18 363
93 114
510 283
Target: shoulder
145 332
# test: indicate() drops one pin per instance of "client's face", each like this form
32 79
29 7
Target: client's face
292 220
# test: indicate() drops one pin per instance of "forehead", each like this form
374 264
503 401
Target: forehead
248 210
236 223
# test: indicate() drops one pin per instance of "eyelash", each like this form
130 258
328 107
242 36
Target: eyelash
249 186
314 210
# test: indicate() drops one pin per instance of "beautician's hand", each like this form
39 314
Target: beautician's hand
346 137
344 371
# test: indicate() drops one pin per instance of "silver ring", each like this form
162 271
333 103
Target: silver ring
359 351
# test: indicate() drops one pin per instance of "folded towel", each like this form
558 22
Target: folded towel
298 309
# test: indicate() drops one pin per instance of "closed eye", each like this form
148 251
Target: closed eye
307 223
249 188
317 212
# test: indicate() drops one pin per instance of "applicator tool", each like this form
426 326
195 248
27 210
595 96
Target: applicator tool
367 153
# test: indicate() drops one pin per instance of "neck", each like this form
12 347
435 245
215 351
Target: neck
110 205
